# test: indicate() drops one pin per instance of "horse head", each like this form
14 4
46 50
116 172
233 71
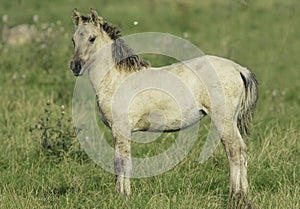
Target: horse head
87 39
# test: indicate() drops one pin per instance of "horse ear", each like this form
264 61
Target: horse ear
95 17
77 19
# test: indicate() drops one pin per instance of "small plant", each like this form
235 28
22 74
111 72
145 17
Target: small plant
56 134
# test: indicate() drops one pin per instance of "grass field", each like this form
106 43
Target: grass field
263 35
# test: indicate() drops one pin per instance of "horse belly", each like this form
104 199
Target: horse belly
162 113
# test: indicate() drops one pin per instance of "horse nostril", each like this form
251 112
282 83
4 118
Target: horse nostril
78 66
72 65
75 66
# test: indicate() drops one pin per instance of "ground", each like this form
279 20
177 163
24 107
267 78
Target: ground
262 35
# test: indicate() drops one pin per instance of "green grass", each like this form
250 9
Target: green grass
263 36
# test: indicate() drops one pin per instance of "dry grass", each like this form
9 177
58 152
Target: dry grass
263 36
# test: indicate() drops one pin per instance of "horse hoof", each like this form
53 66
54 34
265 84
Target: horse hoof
240 202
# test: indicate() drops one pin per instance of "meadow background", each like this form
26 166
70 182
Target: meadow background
43 166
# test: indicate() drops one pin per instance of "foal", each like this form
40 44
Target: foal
231 116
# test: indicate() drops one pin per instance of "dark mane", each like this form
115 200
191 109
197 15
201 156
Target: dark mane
112 31
123 56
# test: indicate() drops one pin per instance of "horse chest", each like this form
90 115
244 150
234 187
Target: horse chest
102 116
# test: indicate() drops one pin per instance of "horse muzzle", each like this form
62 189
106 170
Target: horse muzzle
76 67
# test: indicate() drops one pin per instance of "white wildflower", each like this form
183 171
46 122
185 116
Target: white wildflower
185 35
4 18
43 46
274 93
35 18
15 76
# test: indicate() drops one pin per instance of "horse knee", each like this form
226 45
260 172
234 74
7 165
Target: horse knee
233 151
234 145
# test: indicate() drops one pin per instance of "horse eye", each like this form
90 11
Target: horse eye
92 39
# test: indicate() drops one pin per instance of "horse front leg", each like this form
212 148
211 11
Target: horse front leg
122 161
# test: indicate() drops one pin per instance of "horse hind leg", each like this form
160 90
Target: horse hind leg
243 165
236 152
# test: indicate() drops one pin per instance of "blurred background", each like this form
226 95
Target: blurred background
42 164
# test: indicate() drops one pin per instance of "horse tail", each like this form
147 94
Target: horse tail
248 102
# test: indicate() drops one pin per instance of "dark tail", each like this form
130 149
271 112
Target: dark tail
248 102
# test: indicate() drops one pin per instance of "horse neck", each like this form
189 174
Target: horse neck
102 67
